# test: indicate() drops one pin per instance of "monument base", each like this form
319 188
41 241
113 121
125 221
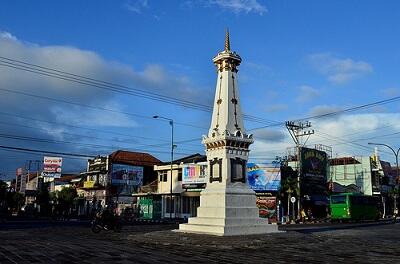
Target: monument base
228 211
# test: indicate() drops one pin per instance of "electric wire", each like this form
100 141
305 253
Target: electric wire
55 73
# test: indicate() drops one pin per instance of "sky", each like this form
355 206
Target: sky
299 59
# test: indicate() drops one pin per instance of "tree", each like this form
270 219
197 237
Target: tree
65 200
289 185
3 191
3 196
43 199
15 200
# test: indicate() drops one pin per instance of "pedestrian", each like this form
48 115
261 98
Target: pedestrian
303 215
310 215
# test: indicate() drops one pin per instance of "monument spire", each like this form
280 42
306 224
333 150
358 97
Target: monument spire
227 115
227 43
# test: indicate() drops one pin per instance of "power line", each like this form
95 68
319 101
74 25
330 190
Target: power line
63 154
100 139
89 106
96 83
48 152
54 73
30 139
347 110
93 129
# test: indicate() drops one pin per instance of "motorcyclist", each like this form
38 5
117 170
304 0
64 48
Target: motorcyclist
106 217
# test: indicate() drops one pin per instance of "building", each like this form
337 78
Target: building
65 181
364 174
111 180
189 177
20 180
309 168
352 174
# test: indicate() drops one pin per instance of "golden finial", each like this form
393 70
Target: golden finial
227 43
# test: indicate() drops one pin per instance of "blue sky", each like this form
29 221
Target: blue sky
300 58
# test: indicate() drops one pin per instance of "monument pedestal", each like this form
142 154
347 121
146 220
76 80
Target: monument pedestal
228 210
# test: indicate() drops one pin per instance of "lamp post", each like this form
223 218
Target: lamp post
171 122
396 154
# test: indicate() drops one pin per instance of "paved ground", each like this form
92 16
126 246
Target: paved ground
157 244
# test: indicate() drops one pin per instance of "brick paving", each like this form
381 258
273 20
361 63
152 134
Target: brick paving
158 244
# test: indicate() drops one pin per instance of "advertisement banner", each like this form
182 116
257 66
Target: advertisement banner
267 207
194 175
52 167
127 178
263 177
313 171
313 162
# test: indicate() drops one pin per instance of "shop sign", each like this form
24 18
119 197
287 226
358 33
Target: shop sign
52 167
194 175
88 184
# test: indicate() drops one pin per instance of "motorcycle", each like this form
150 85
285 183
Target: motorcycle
99 224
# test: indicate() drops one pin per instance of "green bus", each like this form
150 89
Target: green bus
354 207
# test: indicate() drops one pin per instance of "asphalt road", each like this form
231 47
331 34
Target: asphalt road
75 243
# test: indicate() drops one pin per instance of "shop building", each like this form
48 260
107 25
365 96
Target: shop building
364 174
112 180
181 197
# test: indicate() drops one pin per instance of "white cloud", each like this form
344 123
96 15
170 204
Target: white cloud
276 108
153 78
137 6
269 135
240 6
7 35
187 4
324 109
359 129
391 92
339 70
257 67
307 93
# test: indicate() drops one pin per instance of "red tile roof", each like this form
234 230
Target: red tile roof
343 161
134 158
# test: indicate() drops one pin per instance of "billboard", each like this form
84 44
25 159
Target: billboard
98 164
127 178
52 167
266 207
263 177
194 175
313 171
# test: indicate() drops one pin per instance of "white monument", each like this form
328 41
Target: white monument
227 204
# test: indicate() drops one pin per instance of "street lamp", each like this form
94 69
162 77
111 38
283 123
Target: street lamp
171 122
396 154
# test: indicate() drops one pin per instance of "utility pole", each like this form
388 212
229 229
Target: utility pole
297 130
396 154
171 205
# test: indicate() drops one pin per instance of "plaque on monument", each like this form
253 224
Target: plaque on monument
216 170
238 170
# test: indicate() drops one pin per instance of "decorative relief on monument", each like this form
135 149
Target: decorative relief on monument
234 101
